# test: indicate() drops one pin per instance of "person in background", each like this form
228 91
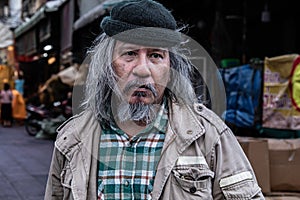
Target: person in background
6 97
142 133
19 83
18 107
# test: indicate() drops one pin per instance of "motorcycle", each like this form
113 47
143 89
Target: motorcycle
41 120
35 114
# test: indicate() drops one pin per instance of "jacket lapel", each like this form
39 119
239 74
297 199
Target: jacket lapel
183 129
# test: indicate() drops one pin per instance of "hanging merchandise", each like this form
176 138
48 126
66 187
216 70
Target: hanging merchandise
281 116
243 86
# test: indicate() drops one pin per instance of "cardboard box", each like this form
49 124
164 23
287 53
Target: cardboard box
283 196
257 152
284 164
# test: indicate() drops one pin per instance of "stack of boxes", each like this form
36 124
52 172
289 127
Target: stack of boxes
276 163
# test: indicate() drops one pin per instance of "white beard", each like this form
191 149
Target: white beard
137 112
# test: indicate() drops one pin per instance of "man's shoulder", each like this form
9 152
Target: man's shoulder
76 123
214 126
198 113
197 118
208 116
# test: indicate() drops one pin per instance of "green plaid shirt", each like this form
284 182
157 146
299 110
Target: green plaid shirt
127 166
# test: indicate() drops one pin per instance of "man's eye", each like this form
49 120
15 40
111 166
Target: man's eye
156 55
130 53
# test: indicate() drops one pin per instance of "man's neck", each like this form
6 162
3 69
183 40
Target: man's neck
132 128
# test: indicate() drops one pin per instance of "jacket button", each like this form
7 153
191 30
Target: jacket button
190 132
126 183
193 189
200 108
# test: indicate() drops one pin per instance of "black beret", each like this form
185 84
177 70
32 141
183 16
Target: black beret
145 22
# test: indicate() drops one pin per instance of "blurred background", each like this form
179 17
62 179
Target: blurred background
254 44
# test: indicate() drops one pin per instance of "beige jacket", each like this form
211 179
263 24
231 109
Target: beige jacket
201 159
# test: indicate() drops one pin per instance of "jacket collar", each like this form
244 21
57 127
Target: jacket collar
81 129
184 125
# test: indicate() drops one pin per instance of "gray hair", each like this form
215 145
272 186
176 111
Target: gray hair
102 79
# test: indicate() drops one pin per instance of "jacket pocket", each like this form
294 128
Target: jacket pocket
192 181
240 186
66 181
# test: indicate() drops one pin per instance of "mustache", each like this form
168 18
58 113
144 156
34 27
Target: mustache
135 84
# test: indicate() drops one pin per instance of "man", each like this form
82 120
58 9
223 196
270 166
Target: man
142 136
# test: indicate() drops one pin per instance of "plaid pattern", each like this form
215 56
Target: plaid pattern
127 166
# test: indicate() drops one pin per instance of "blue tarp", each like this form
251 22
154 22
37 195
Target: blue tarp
243 92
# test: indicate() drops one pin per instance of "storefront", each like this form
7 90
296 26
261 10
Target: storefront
38 46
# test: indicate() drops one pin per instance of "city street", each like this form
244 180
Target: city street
24 164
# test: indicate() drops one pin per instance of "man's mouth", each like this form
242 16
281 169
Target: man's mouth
140 91
143 91
139 94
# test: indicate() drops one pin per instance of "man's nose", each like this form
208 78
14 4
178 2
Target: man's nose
142 69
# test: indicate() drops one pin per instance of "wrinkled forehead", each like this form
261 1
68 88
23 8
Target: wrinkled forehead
124 46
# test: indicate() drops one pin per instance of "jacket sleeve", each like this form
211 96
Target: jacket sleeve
234 176
54 188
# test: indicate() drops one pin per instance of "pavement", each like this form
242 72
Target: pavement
24 164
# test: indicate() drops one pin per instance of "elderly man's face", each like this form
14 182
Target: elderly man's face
143 72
